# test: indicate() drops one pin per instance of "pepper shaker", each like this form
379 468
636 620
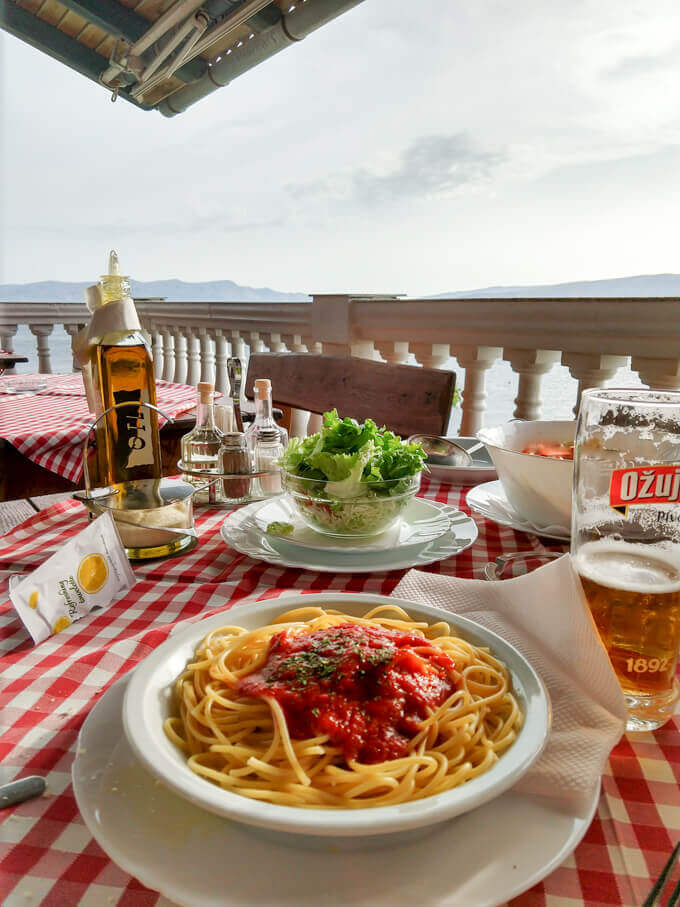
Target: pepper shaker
235 460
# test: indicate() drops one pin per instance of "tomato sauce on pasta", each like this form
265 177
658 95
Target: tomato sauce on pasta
368 688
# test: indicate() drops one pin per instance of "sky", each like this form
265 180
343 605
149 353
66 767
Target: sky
405 147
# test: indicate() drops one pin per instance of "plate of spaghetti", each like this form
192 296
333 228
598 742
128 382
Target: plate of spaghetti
336 714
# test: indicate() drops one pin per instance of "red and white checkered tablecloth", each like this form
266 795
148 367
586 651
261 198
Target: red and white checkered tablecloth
46 853
49 426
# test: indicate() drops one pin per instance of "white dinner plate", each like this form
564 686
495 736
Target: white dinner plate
481 469
421 522
197 859
241 531
21 385
490 501
149 702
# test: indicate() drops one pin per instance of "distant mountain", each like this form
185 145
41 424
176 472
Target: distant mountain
173 290
643 285
653 285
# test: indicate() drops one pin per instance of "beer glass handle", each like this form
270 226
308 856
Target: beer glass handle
86 473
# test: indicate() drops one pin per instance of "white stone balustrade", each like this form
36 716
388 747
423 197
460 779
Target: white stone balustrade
591 337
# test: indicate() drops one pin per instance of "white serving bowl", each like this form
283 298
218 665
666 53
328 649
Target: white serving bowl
539 488
148 701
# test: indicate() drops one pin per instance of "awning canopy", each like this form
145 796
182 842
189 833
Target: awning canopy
165 54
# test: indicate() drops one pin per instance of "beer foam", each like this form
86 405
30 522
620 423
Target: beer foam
630 566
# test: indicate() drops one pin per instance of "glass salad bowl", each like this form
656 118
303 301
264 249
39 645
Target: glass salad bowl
374 508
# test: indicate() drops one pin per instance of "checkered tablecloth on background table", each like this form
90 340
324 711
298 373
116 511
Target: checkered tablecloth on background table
49 426
47 856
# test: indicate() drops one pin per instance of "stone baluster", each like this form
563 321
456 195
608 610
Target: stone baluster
256 343
294 343
364 349
72 330
41 332
181 363
662 374
238 347
431 355
7 333
276 343
194 354
168 355
475 360
530 365
157 352
221 356
591 370
207 356
394 352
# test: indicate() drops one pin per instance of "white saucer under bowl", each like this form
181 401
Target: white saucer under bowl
197 859
490 501
421 522
241 531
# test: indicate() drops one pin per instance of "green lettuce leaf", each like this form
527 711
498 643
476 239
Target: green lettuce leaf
348 453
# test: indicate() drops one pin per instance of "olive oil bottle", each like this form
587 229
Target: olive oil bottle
128 441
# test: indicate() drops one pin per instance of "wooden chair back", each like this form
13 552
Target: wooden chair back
407 399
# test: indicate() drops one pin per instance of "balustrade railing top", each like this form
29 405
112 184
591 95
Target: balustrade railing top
592 337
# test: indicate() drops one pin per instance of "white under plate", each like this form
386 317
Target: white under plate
241 531
22 385
421 522
201 860
481 470
490 501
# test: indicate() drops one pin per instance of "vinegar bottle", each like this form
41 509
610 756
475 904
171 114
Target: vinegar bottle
201 446
128 441
267 442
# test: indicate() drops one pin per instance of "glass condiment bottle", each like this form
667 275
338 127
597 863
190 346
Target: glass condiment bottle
201 446
128 440
267 441
235 461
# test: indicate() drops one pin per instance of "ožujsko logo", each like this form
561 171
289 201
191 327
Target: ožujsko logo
644 485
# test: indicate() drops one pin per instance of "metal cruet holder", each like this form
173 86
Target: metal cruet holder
154 517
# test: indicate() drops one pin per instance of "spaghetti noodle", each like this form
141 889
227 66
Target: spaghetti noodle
324 709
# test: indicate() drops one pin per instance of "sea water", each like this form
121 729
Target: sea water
558 389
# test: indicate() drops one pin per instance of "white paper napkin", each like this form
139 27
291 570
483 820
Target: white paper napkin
545 616
494 495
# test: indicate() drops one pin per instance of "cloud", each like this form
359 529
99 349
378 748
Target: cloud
643 64
431 166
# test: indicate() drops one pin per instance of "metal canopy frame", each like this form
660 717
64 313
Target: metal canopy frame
165 55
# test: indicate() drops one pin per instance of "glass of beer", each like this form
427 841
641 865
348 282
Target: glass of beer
626 540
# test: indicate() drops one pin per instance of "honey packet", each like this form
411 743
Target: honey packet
88 572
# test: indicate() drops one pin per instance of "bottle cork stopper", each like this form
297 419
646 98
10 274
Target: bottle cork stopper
263 387
206 390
